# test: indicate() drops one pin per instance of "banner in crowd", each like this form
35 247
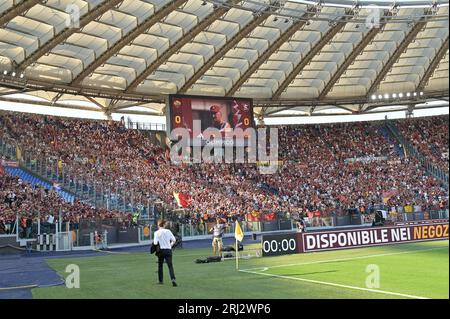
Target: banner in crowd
366 159
254 217
5 163
268 217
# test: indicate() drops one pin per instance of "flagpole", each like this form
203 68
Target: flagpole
237 255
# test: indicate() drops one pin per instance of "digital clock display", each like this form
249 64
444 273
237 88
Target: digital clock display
280 244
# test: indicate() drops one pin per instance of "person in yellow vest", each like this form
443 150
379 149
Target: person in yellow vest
408 208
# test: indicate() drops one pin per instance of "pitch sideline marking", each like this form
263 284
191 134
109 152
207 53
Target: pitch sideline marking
18 287
111 252
336 285
347 259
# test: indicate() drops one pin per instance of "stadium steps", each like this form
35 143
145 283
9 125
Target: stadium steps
390 138
432 169
35 181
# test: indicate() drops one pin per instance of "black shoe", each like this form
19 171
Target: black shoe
174 284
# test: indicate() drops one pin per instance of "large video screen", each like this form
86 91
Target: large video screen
223 114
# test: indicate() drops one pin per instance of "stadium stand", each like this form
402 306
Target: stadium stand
430 137
33 180
327 169
29 202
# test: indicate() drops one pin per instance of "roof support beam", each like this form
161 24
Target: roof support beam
39 85
11 92
311 54
266 54
396 55
348 61
66 106
201 26
269 113
17 10
67 32
57 97
96 103
152 20
433 65
345 108
122 107
28 84
223 50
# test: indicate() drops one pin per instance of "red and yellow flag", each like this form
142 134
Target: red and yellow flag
183 200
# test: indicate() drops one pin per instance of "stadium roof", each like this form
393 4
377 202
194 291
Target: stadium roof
293 57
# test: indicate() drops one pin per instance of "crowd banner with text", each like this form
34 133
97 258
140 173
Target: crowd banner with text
6 163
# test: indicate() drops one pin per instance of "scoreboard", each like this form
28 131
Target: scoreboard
223 114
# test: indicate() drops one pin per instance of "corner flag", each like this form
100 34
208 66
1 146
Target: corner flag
238 233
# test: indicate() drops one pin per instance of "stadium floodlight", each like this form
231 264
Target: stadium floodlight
5 72
400 95
380 96
386 96
394 95
13 74
415 94
21 75
421 93
408 94
374 97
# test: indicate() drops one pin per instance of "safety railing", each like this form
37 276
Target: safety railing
145 126
204 229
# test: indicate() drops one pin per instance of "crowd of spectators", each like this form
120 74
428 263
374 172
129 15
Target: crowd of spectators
316 174
430 137
32 203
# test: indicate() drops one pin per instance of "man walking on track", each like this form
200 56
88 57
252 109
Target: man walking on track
165 239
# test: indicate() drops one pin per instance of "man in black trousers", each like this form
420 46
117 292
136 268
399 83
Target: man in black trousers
165 239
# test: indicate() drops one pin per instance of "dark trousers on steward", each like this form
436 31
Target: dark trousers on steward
165 254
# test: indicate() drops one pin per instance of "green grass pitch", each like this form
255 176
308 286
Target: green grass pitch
415 270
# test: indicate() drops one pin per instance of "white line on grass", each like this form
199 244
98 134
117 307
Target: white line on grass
337 260
111 252
336 285
346 259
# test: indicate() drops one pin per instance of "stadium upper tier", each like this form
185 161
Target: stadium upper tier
325 168
308 55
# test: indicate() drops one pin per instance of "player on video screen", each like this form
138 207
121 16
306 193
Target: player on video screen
217 119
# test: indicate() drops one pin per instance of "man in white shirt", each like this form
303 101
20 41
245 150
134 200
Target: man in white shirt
165 239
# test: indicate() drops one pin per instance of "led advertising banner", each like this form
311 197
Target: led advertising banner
353 238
